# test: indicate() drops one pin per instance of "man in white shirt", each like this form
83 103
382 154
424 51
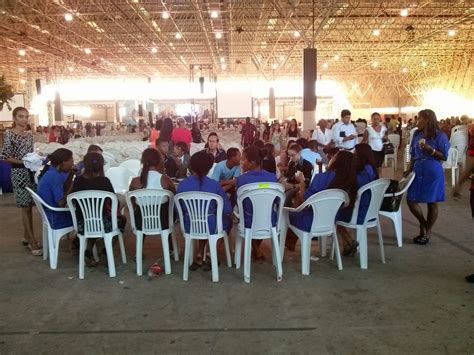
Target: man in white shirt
322 134
344 132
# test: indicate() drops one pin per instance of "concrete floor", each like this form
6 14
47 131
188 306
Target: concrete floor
416 303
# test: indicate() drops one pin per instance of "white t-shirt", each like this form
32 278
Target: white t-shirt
322 138
341 130
376 138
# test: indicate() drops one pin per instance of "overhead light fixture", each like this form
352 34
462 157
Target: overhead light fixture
375 64
405 70
451 33
337 57
214 14
424 64
296 34
224 67
325 65
178 35
222 59
21 70
154 50
122 68
218 35
157 74
71 69
23 81
376 32
165 15
68 17
274 66
22 52
170 44
87 51
282 58
404 12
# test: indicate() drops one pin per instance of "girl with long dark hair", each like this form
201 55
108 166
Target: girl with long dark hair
293 130
200 165
429 147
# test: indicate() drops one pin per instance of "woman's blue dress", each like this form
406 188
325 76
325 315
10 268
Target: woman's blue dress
428 186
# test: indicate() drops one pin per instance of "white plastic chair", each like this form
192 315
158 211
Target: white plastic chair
325 205
459 141
120 178
262 197
197 206
396 216
51 237
133 165
91 203
209 174
406 157
452 163
395 140
109 159
133 152
377 189
150 202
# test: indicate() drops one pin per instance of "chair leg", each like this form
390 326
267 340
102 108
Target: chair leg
166 251
191 252
382 252
187 254
305 253
322 246
335 245
82 251
45 241
276 248
227 250
139 253
397 225
238 251
214 261
53 257
283 231
122 248
362 238
247 255
110 256
175 247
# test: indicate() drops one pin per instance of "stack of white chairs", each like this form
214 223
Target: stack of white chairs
452 163
459 141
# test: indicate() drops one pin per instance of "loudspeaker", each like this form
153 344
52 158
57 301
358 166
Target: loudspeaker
140 110
201 84
38 86
150 117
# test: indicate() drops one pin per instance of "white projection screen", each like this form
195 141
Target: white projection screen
234 103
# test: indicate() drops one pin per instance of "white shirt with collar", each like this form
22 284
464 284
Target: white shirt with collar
322 138
348 129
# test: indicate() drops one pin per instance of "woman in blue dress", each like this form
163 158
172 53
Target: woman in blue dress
341 174
200 165
429 147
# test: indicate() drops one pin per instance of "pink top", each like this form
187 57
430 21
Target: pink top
181 135
154 134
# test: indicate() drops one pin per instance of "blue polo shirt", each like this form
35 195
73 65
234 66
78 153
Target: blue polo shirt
205 184
51 190
309 155
250 177
222 172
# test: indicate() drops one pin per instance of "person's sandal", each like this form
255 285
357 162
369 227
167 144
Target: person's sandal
197 264
25 243
89 259
35 252
421 240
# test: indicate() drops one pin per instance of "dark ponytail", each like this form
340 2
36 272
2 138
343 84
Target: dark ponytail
150 158
56 158
94 164
200 164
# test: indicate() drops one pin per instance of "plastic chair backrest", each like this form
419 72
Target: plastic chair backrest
150 202
133 165
120 178
197 205
325 205
262 196
40 205
459 138
452 158
91 203
394 139
377 190
404 184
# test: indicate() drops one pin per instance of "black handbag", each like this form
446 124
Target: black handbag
391 204
388 148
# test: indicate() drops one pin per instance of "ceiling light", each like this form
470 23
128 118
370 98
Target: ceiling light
376 32
296 34
71 69
222 59
404 12
178 35
336 57
223 66
22 52
375 64
405 70
68 17
451 33
171 44
154 50
23 81
325 65
218 35
214 14
122 68
424 64
165 15
87 51
274 66
157 74
21 70
282 58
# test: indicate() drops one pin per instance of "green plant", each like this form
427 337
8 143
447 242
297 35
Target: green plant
6 93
